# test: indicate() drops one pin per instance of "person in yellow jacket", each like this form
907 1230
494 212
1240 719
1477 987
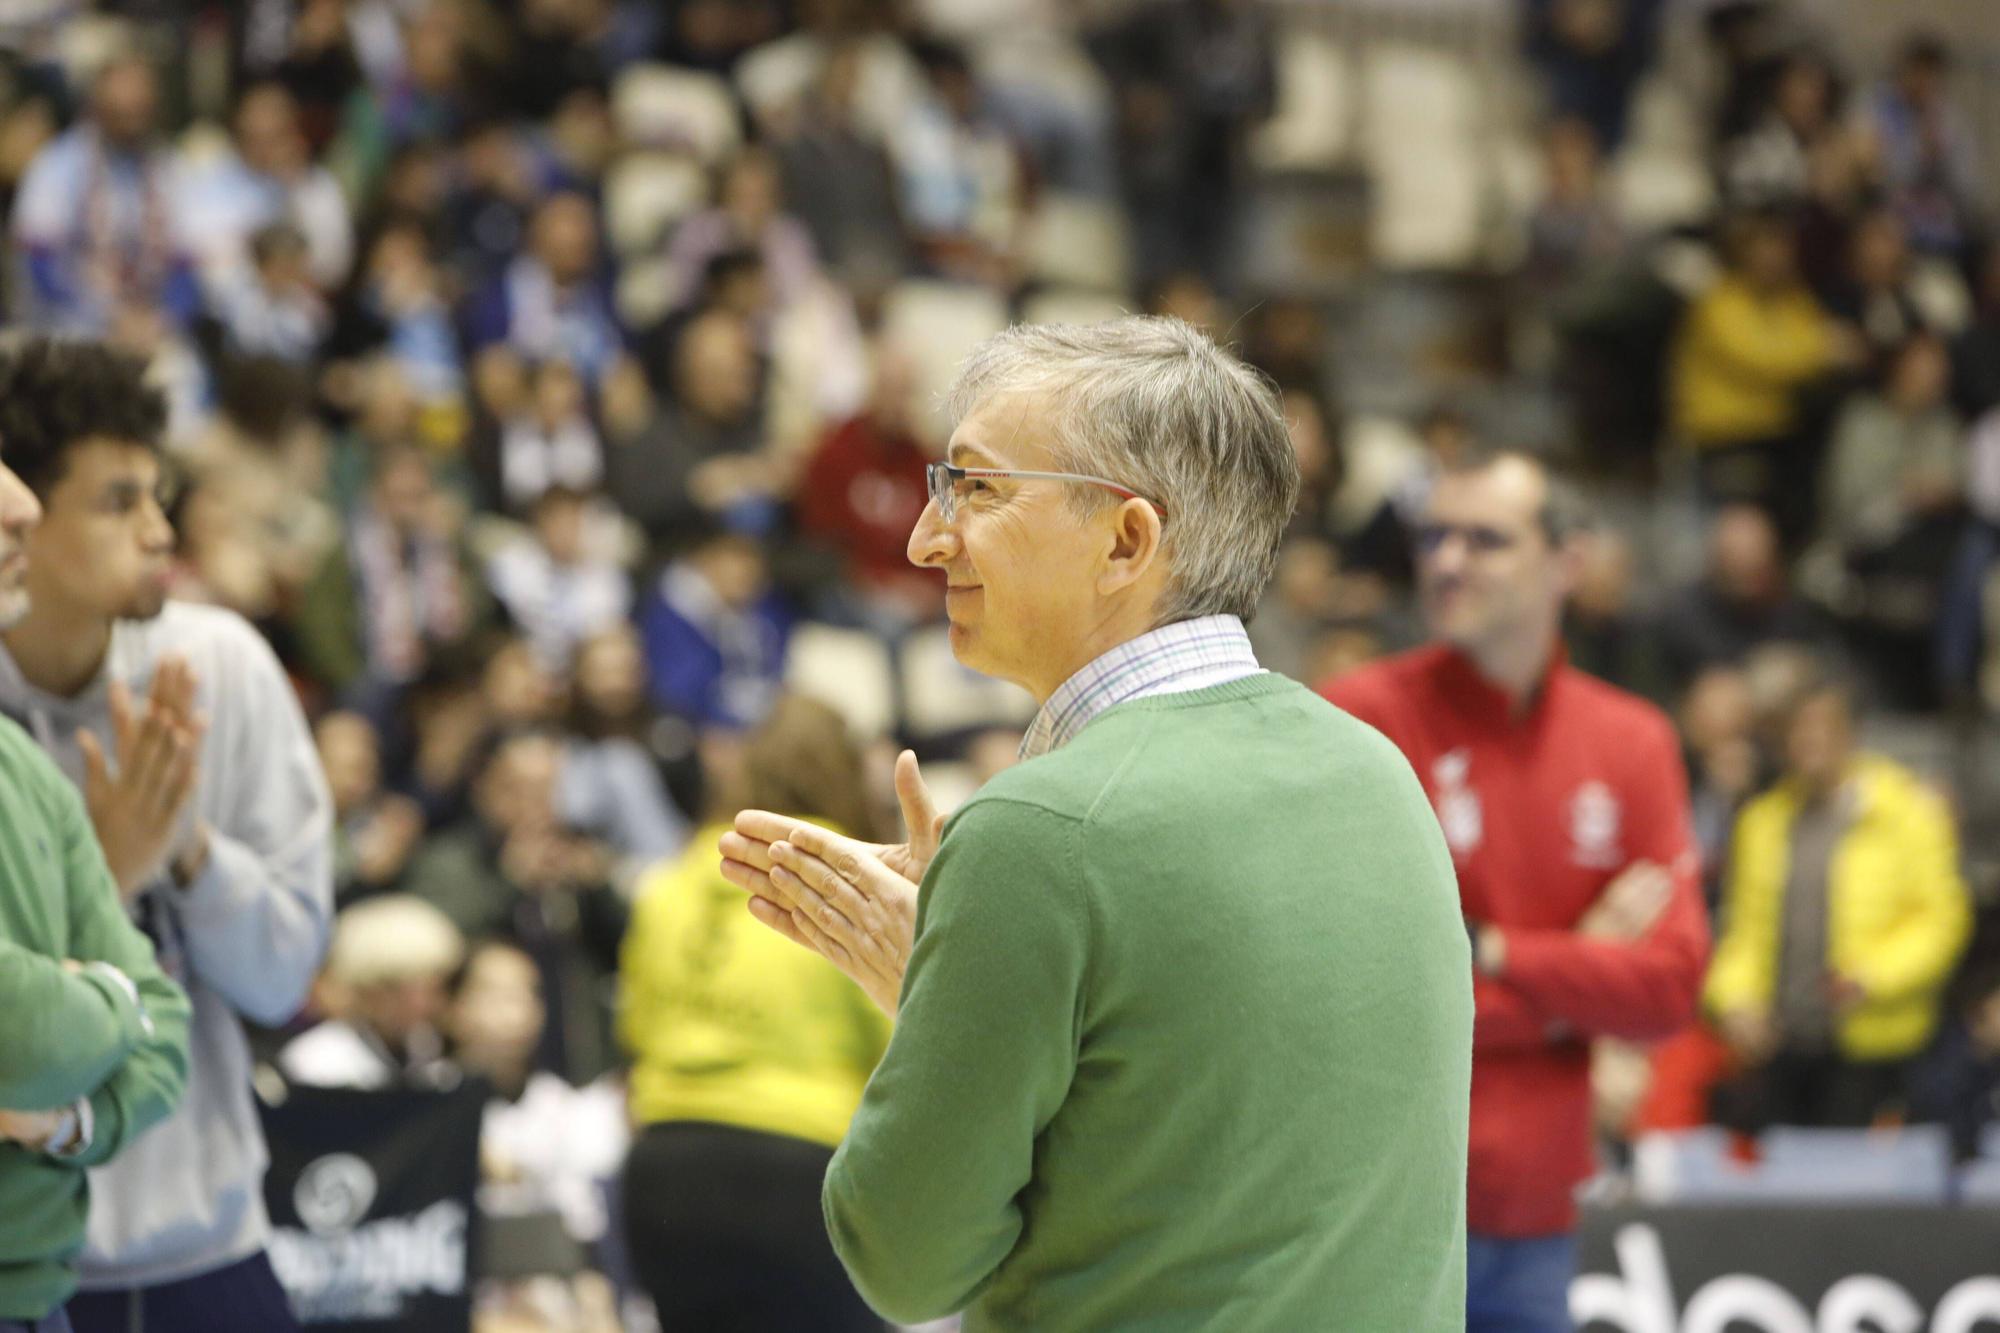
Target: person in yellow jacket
1844 912
1748 349
749 1057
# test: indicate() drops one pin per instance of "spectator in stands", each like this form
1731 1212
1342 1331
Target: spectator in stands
1928 158
1726 766
1965 631
1875 295
398 310
276 310
383 997
514 870
704 452
1194 78
959 173
552 586
1604 631
418 89
1770 166
95 225
264 453
544 1144
1893 514
1749 348
748 215
1591 53
551 303
95 1047
838 179
1742 600
400 589
1957 1083
269 177
1976 353
749 1057
548 440
1573 230
861 492
1843 914
715 633
611 714
375 830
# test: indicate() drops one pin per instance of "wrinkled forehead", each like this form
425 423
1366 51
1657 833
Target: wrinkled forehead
1004 431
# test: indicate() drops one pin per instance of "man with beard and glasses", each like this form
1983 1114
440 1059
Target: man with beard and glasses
218 835
93 1045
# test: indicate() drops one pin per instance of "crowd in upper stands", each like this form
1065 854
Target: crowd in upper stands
551 381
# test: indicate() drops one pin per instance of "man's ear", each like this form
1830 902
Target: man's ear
1134 546
1571 556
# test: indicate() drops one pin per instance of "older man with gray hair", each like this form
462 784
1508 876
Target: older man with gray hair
1184 1010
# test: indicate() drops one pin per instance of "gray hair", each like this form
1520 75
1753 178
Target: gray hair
1153 404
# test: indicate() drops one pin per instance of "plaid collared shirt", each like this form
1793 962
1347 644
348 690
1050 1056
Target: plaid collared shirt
1186 655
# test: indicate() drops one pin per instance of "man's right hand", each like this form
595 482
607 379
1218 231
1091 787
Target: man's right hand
1629 905
137 811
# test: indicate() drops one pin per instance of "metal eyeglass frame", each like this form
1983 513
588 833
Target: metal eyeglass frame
941 477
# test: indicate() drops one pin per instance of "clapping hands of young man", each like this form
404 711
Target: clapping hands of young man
852 902
136 806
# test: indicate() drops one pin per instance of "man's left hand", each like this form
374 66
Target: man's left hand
835 896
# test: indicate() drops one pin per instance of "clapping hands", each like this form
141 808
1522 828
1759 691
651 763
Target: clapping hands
852 902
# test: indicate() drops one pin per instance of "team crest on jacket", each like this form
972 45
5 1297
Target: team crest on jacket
1457 804
1593 827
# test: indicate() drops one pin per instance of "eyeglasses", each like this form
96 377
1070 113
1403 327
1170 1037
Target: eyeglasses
945 480
1431 537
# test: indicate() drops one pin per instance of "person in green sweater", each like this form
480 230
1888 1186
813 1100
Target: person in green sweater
93 1036
1184 1000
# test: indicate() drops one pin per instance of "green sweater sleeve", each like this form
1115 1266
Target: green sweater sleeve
145 1083
921 1197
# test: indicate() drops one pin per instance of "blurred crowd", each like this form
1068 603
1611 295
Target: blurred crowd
551 382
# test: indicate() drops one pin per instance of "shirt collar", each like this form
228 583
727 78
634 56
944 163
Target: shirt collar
1186 655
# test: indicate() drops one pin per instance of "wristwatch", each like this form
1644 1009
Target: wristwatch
73 1132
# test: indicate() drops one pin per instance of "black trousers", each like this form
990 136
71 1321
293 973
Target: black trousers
1813 1091
242 1298
726 1233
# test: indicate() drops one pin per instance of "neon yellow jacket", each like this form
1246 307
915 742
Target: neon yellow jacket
1899 912
730 1023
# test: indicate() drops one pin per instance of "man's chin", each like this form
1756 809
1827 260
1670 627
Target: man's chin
13 606
145 606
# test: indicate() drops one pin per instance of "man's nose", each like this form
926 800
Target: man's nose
19 509
932 541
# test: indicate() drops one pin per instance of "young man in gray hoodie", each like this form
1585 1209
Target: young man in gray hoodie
230 874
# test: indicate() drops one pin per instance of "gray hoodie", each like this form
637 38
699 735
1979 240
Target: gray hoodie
245 937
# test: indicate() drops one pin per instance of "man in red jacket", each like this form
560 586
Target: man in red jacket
1565 806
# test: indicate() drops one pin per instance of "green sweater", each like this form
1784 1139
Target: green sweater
63 1034
1185 1041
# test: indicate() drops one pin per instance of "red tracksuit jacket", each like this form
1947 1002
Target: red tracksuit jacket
1541 812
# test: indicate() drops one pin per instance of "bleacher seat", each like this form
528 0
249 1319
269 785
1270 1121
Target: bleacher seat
646 193
1065 305
1312 128
939 323
943 698
1074 241
659 106
847 669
